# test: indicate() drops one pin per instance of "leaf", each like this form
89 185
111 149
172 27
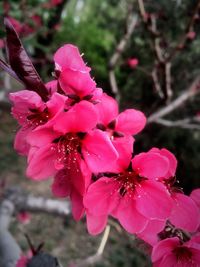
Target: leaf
21 63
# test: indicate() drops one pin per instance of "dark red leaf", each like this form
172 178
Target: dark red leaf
21 63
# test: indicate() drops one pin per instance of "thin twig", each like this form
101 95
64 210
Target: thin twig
181 44
117 54
104 240
184 124
98 255
165 91
26 202
176 103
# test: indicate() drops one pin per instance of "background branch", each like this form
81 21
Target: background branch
176 103
27 202
117 54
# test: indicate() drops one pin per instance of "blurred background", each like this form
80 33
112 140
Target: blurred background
144 53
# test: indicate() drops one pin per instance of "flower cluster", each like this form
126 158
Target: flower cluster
78 137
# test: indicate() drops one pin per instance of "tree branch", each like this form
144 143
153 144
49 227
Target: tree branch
26 202
176 103
184 38
98 255
117 54
184 124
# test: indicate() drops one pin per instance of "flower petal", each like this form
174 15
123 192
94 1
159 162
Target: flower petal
149 234
153 200
124 148
195 195
130 121
96 224
61 186
98 151
102 196
172 160
82 117
163 248
150 165
77 205
68 56
42 136
107 109
185 213
76 82
132 221
20 143
41 165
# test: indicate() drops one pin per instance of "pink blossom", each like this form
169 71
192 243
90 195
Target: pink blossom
59 149
74 77
68 57
30 112
171 252
191 35
119 128
133 62
24 217
22 262
184 213
125 195
128 122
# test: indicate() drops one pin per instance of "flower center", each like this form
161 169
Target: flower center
128 181
183 254
38 117
68 149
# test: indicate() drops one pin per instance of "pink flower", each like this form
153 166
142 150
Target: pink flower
191 35
74 77
24 217
68 57
119 127
133 62
171 252
30 112
128 122
70 149
184 213
132 196
22 262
